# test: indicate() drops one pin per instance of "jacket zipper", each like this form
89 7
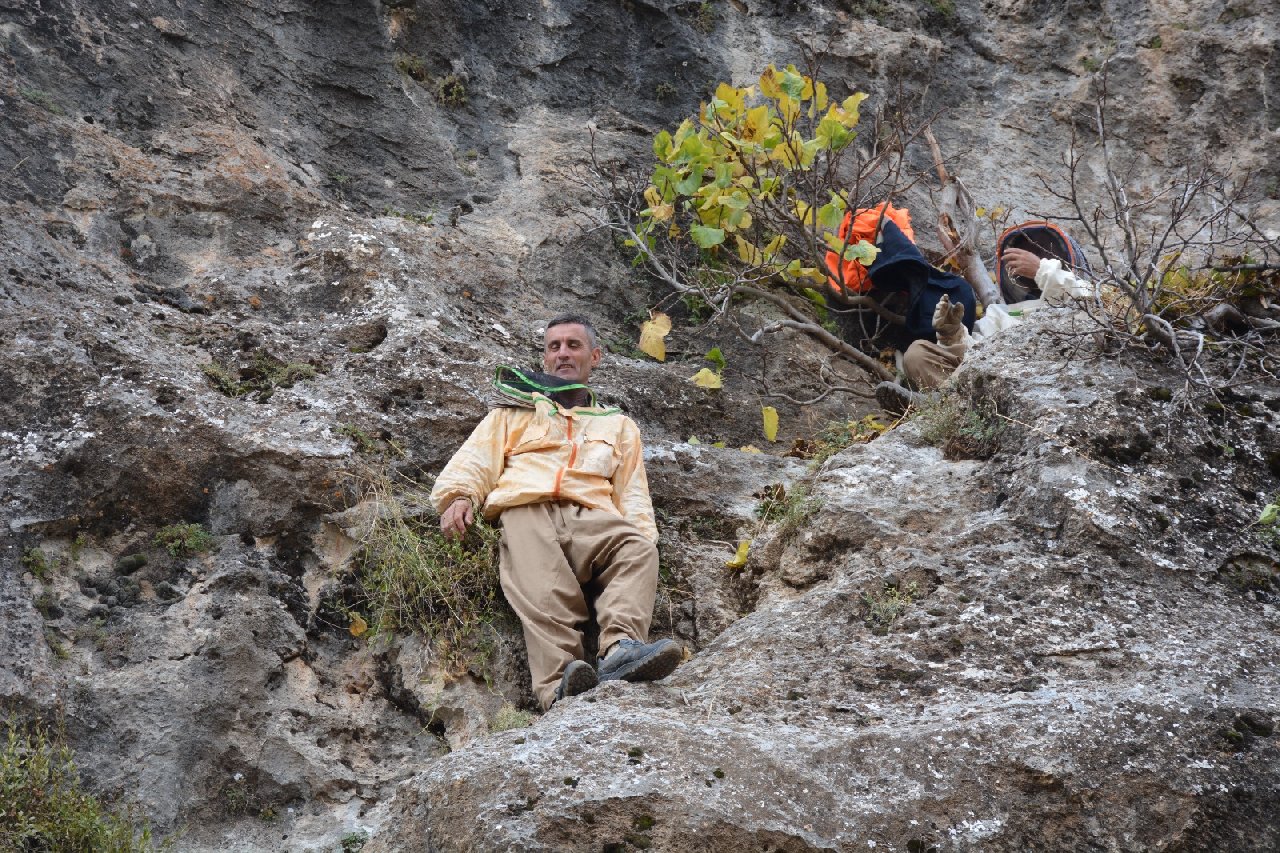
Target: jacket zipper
573 455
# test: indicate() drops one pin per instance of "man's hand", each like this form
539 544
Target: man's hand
1020 262
456 518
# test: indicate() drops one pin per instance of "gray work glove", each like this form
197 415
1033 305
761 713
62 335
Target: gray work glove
948 323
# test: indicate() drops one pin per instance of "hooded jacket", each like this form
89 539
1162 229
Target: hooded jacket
542 451
901 267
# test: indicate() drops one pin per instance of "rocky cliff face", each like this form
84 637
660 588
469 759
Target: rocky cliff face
244 243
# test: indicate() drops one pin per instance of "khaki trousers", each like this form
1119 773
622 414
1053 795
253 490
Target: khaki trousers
556 555
928 365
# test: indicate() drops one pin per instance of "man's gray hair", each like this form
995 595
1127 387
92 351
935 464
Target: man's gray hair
593 337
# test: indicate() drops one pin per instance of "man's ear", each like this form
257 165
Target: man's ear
596 355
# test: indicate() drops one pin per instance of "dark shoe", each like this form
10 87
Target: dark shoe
895 399
579 677
632 660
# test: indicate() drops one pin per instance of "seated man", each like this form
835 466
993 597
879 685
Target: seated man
566 478
927 365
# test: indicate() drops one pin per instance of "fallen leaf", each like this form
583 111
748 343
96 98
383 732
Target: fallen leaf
652 333
358 625
750 448
770 415
706 378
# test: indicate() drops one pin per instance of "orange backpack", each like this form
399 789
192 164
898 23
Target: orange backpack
850 277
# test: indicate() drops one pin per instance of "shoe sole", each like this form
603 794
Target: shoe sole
579 677
656 666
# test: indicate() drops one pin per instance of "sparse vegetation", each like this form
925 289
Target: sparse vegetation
257 380
413 579
44 808
184 539
704 19
354 842
412 65
664 91
1268 522
964 427
945 8
41 99
510 717
884 606
837 435
35 561
788 510
410 216
450 90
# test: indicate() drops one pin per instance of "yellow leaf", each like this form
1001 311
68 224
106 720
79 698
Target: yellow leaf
769 83
706 378
652 196
770 415
748 253
662 212
652 332
850 107
740 559
750 448
734 100
358 625
693 439
757 123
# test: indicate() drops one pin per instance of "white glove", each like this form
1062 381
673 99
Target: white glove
948 323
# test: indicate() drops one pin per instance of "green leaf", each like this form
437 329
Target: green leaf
819 301
705 236
1270 513
690 183
715 357
724 175
829 215
792 83
861 251
662 145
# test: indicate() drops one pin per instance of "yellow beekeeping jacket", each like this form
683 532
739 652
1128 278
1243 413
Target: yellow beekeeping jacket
589 455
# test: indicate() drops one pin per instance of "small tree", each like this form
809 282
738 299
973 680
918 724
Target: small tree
753 197
1185 270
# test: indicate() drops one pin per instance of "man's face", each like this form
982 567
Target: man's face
567 353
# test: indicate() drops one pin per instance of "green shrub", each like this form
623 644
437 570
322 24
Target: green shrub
414 579
43 808
183 539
